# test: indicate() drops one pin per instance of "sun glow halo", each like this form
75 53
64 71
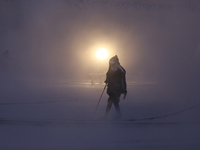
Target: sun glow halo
102 53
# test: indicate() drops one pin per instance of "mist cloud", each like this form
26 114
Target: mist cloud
155 41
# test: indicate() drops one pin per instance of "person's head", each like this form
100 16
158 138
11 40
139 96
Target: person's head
114 60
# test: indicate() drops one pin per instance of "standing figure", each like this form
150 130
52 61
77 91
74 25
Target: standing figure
116 83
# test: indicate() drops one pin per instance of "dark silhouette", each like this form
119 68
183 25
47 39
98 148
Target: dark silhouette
116 83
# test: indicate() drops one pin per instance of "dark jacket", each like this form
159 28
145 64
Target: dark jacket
116 81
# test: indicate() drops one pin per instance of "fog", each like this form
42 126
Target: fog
47 52
155 41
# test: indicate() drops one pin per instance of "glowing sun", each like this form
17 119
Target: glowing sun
102 53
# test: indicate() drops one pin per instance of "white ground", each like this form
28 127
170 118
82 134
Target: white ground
157 40
48 116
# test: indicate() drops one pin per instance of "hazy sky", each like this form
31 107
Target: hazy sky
155 40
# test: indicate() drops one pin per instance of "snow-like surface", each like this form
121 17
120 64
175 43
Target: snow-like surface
51 43
101 136
47 116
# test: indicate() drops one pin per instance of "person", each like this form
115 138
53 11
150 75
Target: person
116 85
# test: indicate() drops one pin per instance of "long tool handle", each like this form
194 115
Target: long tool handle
100 99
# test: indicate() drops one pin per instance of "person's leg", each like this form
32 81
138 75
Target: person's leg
109 105
116 103
117 108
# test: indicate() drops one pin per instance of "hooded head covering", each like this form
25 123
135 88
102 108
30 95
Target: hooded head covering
114 64
114 60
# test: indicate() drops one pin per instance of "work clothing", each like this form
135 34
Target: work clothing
116 84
